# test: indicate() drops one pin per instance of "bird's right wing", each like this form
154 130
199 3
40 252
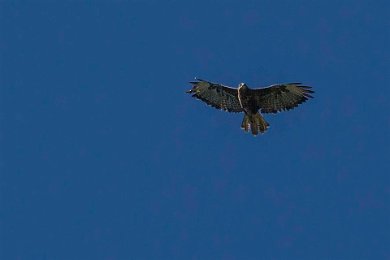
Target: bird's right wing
216 95
280 97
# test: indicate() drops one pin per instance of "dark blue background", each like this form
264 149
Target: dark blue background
103 155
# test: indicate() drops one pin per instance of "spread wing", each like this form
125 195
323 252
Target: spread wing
216 95
281 97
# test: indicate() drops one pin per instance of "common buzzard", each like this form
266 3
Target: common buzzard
273 99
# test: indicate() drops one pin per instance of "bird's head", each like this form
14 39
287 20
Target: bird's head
242 86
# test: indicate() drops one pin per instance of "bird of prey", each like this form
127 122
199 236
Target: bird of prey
272 99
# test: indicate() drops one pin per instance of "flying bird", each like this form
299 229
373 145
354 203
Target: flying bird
272 99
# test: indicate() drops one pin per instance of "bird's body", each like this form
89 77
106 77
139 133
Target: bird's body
252 117
273 99
247 101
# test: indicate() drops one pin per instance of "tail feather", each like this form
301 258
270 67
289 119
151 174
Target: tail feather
255 122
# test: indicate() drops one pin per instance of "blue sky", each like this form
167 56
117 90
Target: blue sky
103 155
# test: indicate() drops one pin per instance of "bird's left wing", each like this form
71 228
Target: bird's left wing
216 95
280 97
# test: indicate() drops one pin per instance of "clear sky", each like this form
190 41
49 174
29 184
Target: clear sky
104 156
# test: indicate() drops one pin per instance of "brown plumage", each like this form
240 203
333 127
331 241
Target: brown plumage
273 99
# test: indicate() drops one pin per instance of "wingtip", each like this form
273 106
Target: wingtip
308 90
198 79
195 81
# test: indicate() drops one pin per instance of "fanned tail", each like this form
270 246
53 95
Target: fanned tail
255 122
